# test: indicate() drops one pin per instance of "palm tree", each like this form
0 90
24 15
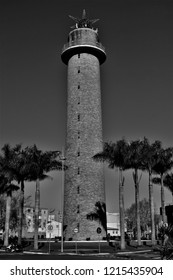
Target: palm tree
13 211
150 156
163 165
135 156
2 205
19 169
21 172
7 176
116 155
99 214
168 182
8 189
40 164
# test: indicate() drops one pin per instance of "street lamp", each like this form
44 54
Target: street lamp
50 227
62 158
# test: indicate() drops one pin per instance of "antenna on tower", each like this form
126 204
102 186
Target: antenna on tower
84 14
84 22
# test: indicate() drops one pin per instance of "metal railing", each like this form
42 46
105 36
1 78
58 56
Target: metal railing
79 42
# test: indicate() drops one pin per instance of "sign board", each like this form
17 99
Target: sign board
50 227
75 230
99 230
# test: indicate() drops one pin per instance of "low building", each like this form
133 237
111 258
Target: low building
44 220
53 229
113 224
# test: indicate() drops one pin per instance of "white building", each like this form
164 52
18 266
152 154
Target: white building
53 229
113 224
44 221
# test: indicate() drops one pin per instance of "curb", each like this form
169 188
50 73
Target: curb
133 252
38 253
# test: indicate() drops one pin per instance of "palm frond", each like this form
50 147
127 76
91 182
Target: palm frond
168 182
115 154
156 180
164 161
92 216
8 188
98 214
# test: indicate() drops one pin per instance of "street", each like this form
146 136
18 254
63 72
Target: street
81 251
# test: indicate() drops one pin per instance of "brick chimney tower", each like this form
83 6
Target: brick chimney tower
84 178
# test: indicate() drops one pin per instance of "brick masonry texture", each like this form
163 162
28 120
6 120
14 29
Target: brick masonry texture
84 179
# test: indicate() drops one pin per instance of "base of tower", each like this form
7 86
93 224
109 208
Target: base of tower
102 239
88 232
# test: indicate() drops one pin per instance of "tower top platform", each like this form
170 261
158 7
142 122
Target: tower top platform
83 39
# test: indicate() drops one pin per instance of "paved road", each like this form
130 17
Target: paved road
125 256
85 250
20 256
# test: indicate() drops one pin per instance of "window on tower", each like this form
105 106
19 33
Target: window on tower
78 171
78 134
78 153
79 35
78 209
79 69
78 86
78 117
78 100
78 55
72 36
78 189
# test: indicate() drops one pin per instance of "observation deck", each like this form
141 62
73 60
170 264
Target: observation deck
83 40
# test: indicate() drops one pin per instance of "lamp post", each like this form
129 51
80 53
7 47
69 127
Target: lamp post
50 227
62 158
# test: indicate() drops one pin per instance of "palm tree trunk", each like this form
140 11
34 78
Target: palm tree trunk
151 201
37 208
21 205
7 219
162 200
121 208
138 225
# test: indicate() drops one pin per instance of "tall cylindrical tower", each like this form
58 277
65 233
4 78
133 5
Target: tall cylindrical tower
84 178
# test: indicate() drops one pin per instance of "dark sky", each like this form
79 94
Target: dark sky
137 78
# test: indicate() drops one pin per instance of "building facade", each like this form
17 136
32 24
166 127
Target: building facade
28 229
84 178
45 220
113 224
53 229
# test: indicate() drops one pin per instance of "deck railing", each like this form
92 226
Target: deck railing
78 43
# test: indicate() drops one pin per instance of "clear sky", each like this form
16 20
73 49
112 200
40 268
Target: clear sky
136 79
